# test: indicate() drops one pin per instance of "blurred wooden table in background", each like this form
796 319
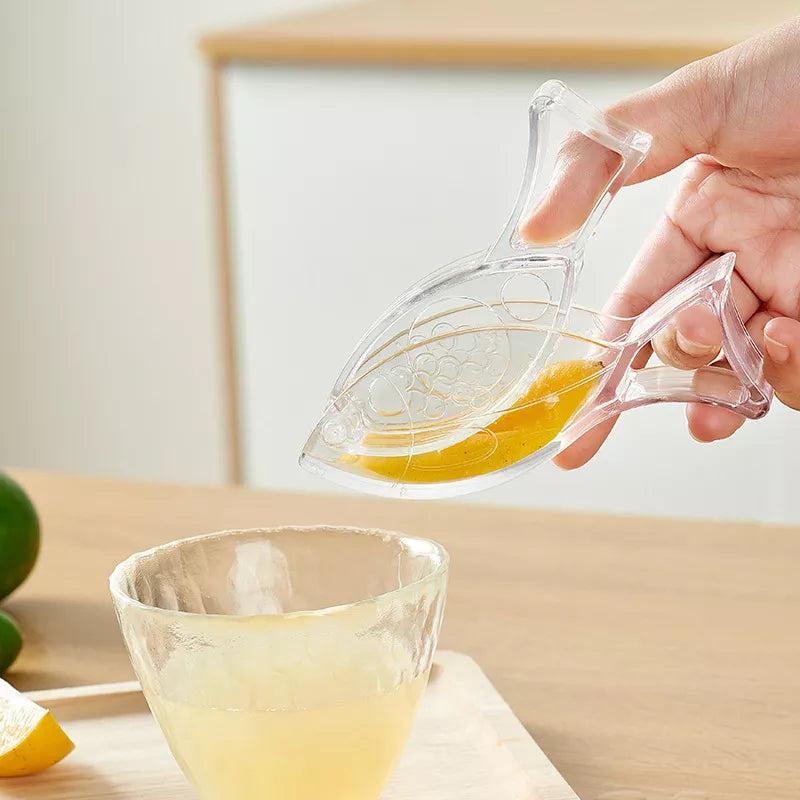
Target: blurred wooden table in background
651 655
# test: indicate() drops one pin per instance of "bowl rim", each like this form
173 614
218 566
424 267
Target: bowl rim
122 598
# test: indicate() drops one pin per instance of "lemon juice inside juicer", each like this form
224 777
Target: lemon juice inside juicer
488 366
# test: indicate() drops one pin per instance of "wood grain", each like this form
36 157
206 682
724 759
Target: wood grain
613 33
650 655
84 696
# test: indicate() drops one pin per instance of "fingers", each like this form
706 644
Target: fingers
695 337
710 424
779 340
680 114
693 340
782 359
583 170
581 451
666 257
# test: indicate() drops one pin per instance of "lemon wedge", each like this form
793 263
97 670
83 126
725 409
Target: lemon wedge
30 738
531 423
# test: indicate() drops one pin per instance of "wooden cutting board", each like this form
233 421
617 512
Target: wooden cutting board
466 745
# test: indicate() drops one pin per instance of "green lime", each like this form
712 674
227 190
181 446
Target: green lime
19 536
10 641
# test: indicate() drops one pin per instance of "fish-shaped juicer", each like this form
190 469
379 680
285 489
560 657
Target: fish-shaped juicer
487 367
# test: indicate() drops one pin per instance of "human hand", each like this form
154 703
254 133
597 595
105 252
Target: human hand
735 117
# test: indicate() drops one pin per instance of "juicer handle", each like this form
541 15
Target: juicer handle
742 388
575 151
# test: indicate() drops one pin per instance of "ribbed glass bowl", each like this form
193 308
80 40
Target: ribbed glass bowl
284 663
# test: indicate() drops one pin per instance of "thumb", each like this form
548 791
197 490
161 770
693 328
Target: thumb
782 359
681 113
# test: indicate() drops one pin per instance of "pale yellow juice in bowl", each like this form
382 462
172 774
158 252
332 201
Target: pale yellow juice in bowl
284 664
339 752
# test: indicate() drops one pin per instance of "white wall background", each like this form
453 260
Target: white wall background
109 356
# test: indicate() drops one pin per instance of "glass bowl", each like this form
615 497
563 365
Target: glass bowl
284 663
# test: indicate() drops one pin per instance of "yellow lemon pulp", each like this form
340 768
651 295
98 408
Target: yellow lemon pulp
30 738
533 421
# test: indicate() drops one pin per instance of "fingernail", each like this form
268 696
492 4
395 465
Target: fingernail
777 351
689 347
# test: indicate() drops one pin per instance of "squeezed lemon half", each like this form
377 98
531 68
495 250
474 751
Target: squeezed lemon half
30 738
533 421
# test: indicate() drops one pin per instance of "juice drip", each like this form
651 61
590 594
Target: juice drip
533 420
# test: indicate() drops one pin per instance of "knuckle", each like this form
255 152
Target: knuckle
785 380
666 347
791 399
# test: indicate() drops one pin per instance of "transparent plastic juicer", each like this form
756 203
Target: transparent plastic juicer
488 366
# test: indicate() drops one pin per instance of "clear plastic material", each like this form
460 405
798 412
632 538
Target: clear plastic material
488 367
285 662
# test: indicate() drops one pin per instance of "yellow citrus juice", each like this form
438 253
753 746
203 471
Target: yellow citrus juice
533 421
342 752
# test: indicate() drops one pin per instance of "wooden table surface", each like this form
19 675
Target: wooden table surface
611 33
649 655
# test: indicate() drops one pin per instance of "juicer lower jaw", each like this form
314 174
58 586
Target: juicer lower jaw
427 491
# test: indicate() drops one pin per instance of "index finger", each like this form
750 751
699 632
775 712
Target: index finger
669 110
584 168
666 258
